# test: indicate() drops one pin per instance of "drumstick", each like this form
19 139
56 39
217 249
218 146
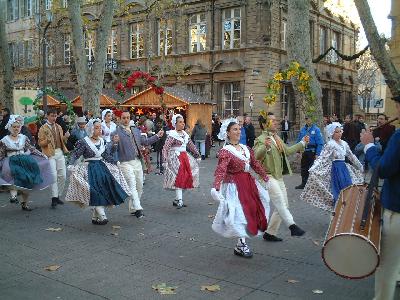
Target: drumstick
388 122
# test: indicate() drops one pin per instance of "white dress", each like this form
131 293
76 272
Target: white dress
108 130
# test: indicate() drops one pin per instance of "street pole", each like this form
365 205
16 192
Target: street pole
44 61
251 103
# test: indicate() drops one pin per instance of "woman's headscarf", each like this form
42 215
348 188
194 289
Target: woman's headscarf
222 135
330 129
174 117
14 119
90 126
104 112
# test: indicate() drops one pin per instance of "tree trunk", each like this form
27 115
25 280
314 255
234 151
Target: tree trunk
378 47
90 81
8 75
298 49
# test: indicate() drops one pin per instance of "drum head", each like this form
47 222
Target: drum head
350 256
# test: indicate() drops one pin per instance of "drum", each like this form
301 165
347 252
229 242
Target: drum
352 243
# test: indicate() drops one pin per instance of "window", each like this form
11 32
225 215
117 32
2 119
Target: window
334 58
165 37
288 105
325 102
323 40
64 3
28 47
12 49
231 30
48 4
136 41
197 32
231 98
67 49
337 102
198 89
312 38
112 48
88 37
21 54
283 35
26 8
12 10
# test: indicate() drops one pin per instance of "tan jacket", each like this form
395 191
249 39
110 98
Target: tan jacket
46 140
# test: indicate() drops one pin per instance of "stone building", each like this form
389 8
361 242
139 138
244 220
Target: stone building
222 50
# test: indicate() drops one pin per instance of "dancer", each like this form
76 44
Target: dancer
23 167
270 150
96 182
244 202
330 173
128 141
52 141
107 126
182 170
388 168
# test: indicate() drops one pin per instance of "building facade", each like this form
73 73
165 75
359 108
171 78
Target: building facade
222 50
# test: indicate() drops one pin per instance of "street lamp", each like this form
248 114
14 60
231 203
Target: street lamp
251 103
49 19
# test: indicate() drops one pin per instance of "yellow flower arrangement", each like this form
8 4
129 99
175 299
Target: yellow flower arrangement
278 76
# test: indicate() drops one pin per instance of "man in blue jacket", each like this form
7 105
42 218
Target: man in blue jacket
388 165
313 149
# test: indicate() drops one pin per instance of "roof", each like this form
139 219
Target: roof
105 101
149 98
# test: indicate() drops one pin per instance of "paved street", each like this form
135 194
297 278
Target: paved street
176 247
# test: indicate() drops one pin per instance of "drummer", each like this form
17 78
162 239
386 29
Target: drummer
388 165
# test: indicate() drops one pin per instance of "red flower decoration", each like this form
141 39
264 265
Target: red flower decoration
117 113
120 89
151 79
159 90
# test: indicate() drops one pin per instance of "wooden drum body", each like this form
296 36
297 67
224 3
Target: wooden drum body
349 250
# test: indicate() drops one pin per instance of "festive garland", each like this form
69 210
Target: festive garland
53 92
342 56
303 83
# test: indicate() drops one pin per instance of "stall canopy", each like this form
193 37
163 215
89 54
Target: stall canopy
195 106
105 101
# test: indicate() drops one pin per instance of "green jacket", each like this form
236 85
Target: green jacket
275 163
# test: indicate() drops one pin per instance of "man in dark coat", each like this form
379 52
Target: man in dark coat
6 116
250 132
383 133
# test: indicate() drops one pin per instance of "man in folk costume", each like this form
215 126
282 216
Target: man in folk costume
182 170
129 142
270 150
388 165
52 142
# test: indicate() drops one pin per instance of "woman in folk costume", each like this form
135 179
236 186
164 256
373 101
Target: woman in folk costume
182 170
330 173
23 167
243 201
97 182
107 126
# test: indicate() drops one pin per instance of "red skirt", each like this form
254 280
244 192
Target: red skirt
184 178
249 198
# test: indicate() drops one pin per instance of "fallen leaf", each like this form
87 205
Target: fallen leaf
114 233
191 239
292 281
142 234
163 289
210 288
210 203
52 268
317 291
4 205
211 216
54 229
316 243
116 227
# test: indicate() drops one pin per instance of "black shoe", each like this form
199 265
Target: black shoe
13 200
175 203
299 187
271 238
25 207
98 222
54 202
296 230
139 214
59 202
203 157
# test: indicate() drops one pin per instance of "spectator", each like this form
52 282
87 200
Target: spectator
285 127
243 138
351 133
250 132
77 133
6 116
216 126
199 136
60 121
384 132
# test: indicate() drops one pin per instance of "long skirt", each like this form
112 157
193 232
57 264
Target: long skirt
230 220
26 172
97 183
174 167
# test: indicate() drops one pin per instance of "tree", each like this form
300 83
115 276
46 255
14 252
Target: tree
367 78
90 79
298 49
6 61
378 48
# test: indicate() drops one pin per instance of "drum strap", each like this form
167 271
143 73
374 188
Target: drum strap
370 198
